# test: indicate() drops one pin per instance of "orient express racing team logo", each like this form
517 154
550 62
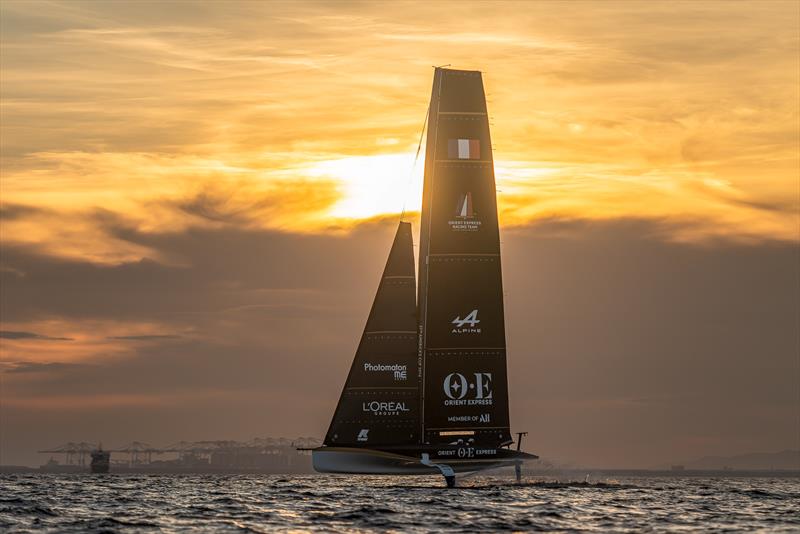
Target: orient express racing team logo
465 220
467 325
463 392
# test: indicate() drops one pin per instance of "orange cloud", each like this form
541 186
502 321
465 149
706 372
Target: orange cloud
309 119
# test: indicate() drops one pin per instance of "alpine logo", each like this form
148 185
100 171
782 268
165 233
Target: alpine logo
461 324
363 434
465 217
462 392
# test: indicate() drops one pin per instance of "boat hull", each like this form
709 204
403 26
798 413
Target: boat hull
360 461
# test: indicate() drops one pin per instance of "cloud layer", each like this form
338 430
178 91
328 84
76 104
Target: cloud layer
687 112
650 350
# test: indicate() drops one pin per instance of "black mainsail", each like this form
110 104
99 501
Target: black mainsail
379 404
428 388
463 346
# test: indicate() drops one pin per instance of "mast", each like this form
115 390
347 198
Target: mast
462 349
379 404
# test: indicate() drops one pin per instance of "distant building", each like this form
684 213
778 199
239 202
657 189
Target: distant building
260 455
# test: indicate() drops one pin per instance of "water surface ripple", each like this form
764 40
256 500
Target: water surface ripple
264 503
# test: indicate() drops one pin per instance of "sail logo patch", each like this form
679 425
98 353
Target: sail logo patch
399 372
363 434
462 392
465 452
384 407
465 219
461 324
463 149
480 418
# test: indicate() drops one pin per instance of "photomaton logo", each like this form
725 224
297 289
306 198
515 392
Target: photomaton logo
399 372
461 324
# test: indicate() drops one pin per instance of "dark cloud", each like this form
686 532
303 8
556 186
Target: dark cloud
625 349
236 205
42 367
215 270
788 207
647 348
9 334
11 212
146 337
18 335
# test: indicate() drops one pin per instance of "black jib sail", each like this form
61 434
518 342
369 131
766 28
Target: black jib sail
463 346
380 401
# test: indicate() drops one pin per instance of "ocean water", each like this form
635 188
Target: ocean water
329 503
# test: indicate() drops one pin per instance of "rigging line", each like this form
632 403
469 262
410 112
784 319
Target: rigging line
414 166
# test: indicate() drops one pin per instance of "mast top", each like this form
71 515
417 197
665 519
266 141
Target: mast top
447 68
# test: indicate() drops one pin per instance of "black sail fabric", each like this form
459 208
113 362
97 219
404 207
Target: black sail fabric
463 349
380 401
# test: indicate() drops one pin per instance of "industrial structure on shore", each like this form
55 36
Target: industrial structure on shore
259 455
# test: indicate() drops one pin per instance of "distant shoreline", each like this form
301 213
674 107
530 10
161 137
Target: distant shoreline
716 473
564 474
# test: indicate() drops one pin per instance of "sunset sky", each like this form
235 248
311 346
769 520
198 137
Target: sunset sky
197 200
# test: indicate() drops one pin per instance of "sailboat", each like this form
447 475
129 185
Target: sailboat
427 392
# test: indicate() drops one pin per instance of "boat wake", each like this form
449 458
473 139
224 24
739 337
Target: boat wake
565 485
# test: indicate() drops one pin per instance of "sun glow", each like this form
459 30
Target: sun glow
374 185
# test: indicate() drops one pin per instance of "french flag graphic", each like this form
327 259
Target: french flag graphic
463 149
